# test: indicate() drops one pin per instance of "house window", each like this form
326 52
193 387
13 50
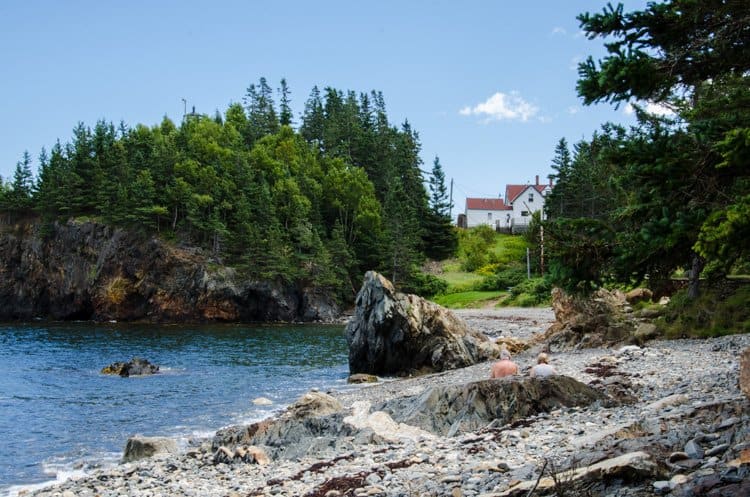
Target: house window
531 197
524 213
489 216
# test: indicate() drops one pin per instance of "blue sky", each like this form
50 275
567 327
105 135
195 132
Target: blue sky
489 85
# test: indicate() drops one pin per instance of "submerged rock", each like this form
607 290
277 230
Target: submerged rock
134 367
394 333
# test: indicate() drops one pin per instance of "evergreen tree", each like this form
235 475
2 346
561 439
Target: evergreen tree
285 110
693 57
313 119
440 239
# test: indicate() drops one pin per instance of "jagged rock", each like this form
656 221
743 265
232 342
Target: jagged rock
139 447
745 372
597 321
362 378
451 409
637 295
393 333
86 270
633 466
312 425
134 367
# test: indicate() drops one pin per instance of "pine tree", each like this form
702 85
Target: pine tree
440 238
285 110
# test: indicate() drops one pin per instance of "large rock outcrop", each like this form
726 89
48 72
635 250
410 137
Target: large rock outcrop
394 333
596 321
85 270
453 409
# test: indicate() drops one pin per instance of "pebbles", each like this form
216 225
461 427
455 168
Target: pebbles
688 412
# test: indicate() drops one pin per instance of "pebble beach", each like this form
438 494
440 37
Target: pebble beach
686 387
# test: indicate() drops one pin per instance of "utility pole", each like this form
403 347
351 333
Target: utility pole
184 109
450 203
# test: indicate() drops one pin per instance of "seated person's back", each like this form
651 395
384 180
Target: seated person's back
503 367
542 367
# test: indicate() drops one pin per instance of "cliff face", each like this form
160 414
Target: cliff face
91 271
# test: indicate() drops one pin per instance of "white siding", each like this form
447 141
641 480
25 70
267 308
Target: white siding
492 218
528 202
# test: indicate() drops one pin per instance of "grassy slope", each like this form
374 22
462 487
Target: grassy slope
461 293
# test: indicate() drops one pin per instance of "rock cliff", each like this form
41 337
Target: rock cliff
85 270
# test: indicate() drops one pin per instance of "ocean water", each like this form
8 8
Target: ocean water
60 416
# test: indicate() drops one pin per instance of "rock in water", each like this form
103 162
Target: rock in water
451 409
139 447
745 372
135 367
394 333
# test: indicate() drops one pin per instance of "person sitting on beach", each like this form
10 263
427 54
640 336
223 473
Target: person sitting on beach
542 367
503 367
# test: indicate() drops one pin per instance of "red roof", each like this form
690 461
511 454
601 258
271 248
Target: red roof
513 191
487 204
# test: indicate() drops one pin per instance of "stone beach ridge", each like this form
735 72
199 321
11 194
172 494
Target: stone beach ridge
688 425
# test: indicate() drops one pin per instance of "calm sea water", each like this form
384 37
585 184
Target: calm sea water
59 415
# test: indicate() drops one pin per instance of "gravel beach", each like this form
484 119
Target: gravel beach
686 387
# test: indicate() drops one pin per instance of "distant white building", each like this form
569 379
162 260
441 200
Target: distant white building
511 214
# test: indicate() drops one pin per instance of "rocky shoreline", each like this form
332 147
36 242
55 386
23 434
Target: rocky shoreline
682 428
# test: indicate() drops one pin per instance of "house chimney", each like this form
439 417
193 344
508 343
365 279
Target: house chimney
537 180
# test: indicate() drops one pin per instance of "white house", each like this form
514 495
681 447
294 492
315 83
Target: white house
490 211
511 214
525 200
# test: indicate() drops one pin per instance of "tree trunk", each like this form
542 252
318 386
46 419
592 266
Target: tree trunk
695 274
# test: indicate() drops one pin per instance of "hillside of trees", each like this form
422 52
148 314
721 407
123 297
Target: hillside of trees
672 193
319 201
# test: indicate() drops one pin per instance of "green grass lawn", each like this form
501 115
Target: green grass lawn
465 300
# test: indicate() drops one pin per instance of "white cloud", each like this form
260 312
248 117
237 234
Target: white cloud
573 110
574 62
557 30
503 106
656 109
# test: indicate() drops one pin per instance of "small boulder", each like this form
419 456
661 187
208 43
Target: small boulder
314 404
139 447
645 332
362 378
637 295
135 367
262 401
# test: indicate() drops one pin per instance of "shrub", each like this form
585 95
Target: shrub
720 310
425 285
530 292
